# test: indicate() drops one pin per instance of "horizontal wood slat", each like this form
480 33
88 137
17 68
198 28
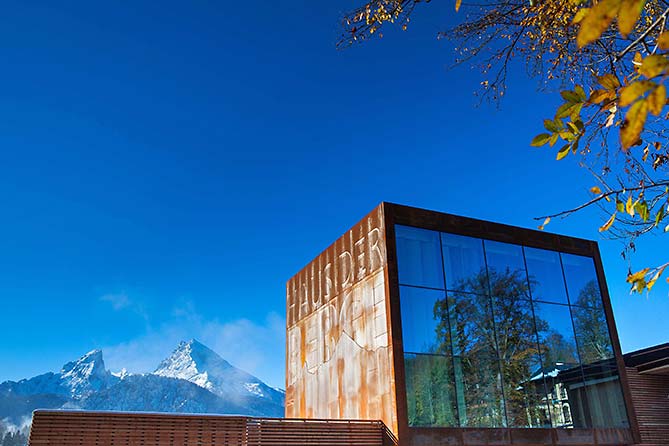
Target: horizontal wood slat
650 394
75 428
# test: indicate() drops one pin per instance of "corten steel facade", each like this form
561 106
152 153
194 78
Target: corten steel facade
455 331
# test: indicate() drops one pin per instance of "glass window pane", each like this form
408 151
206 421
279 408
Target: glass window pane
482 404
545 273
419 257
559 356
556 334
472 326
605 402
525 393
566 397
476 366
464 262
421 320
519 355
430 392
582 284
592 334
505 261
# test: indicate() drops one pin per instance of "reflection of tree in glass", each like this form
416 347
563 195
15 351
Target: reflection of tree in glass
467 322
430 391
592 332
555 348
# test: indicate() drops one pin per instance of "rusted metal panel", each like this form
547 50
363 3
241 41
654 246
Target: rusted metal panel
339 357
72 428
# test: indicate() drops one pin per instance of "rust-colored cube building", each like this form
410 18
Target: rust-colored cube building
456 331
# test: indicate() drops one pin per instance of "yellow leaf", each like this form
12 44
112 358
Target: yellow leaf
595 190
598 96
564 151
541 226
609 222
580 15
663 41
631 92
458 3
656 276
635 119
597 21
629 207
540 140
656 100
630 10
631 278
609 81
653 65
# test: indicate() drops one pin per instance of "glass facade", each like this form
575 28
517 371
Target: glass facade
503 335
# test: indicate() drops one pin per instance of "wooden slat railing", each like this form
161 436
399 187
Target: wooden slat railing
76 428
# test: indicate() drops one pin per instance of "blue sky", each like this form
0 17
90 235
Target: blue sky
165 167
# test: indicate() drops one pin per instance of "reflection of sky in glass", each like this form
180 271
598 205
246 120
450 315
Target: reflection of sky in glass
556 334
419 257
504 256
579 272
547 283
418 322
463 258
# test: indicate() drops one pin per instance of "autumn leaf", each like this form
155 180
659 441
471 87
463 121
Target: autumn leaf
597 21
609 81
663 41
580 15
598 96
635 119
620 206
657 99
630 11
641 207
458 3
543 225
656 276
631 278
540 140
595 190
653 65
609 223
629 207
631 92
570 96
564 151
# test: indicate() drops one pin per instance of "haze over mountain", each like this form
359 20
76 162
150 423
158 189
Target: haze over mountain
193 379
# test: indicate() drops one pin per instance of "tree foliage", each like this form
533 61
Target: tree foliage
611 60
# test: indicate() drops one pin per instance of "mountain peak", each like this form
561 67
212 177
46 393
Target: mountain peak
89 361
86 374
193 361
197 363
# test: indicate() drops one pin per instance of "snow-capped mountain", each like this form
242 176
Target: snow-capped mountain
192 379
194 362
76 379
